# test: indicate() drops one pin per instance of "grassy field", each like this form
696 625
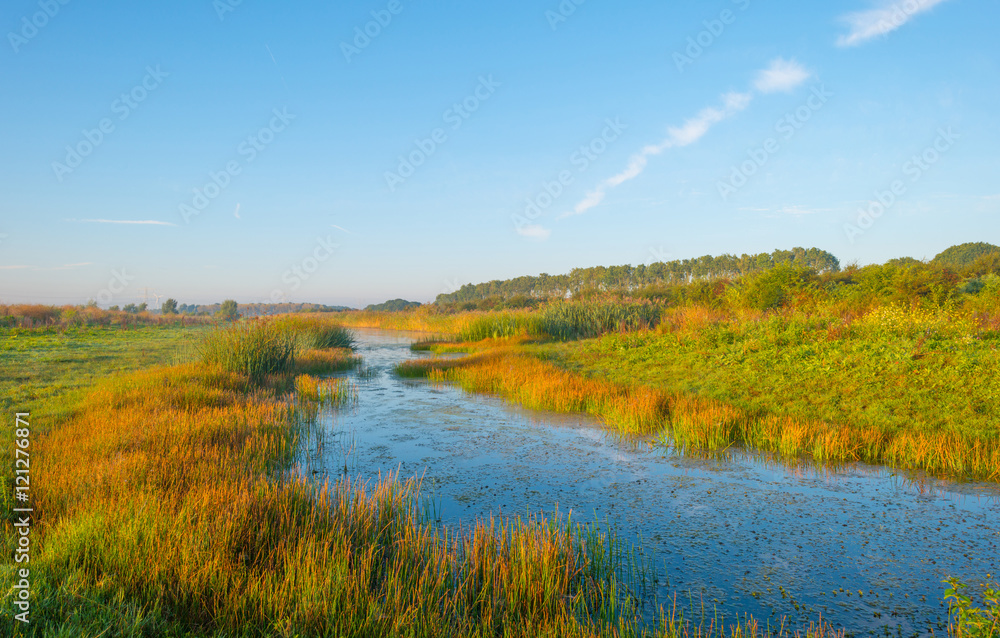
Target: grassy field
164 506
905 387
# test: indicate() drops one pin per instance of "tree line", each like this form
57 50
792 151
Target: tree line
627 278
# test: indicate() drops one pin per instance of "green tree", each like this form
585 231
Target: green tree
964 254
229 310
169 307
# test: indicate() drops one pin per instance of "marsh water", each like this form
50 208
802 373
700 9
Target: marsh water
865 547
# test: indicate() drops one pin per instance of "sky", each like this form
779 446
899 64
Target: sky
349 153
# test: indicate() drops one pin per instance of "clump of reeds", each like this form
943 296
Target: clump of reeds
585 319
499 325
255 348
316 332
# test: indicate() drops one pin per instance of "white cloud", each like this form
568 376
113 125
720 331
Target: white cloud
14 267
865 25
782 75
690 132
144 222
68 266
534 231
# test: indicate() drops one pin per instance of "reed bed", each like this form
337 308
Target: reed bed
696 422
255 348
315 332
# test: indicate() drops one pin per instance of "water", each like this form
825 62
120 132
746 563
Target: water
744 534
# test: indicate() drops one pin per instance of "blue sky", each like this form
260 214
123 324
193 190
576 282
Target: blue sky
276 151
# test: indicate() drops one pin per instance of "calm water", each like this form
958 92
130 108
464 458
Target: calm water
745 534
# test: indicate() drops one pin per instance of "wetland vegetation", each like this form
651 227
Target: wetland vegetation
166 502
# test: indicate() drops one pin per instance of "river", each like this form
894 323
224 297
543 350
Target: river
865 547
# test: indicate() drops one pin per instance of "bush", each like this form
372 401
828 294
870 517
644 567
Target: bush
229 310
774 288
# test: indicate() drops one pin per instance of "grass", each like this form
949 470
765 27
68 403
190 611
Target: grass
904 387
255 348
165 507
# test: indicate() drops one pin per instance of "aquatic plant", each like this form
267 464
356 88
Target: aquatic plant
255 348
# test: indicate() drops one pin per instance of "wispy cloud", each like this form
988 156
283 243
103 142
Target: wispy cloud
690 132
341 228
140 222
69 266
780 75
51 268
236 213
883 20
534 231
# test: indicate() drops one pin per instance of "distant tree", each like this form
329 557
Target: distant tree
115 308
142 307
229 310
91 303
903 261
169 307
131 308
393 305
964 254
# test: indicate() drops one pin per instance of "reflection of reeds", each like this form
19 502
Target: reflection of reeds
706 423
334 391
321 361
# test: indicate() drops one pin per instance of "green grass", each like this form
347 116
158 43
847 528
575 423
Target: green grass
892 372
41 365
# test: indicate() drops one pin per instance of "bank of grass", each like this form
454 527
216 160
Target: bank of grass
906 387
164 506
